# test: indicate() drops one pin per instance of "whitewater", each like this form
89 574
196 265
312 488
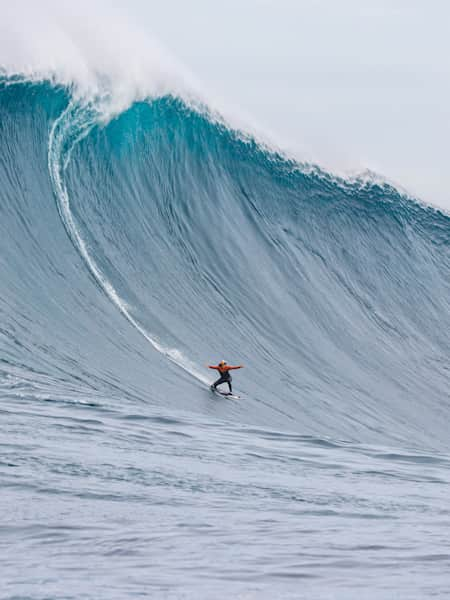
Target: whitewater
143 236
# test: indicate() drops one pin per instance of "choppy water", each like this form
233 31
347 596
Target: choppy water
135 251
106 499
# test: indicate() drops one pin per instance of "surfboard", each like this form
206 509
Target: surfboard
226 394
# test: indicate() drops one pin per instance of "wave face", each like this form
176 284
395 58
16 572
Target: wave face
136 250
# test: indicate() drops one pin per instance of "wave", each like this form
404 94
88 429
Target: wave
138 248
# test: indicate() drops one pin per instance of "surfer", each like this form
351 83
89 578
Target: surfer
225 376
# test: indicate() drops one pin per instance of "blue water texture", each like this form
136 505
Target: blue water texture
137 249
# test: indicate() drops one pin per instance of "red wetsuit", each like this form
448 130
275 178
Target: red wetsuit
225 376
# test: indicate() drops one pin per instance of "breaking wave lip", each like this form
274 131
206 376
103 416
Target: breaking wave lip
56 45
106 102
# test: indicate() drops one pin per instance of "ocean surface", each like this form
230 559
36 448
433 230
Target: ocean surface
137 249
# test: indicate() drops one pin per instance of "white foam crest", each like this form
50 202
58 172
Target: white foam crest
106 58
100 54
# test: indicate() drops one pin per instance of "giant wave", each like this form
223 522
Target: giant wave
135 249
